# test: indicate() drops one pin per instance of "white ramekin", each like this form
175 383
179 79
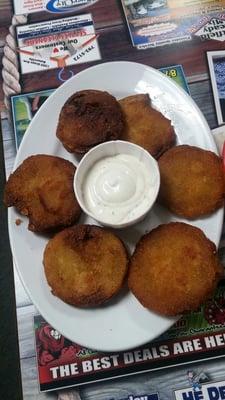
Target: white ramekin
108 149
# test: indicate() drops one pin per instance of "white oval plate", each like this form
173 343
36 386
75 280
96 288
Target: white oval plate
123 323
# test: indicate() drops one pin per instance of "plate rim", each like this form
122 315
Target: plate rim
19 159
111 63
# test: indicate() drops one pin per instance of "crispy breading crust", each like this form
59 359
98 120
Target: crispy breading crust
42 189
174 269
89 117
192 181
146 126
85 265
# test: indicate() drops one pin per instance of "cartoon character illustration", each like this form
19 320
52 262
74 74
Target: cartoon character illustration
52 346
196 379
214 310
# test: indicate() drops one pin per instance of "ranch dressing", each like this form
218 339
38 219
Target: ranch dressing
119 188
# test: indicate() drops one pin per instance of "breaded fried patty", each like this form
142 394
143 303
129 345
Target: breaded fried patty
174 269
42 189
85 265
146 126
88 118
192 181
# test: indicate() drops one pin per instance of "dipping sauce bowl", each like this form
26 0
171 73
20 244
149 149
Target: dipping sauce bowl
117 183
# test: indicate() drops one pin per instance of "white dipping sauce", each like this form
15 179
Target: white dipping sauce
118 189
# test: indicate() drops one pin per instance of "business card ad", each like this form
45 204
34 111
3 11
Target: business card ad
57 43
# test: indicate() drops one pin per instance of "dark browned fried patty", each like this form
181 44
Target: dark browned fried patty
88 118
42 189
146 126
85 265
174 269
192 181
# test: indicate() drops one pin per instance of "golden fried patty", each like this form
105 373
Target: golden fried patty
42 189
146 126
192 181
174 269
89 117
85 265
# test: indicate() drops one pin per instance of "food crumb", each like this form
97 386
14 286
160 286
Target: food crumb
18 221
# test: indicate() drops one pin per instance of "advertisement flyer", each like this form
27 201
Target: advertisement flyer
54 6
197 336
24 107
155 23
57 43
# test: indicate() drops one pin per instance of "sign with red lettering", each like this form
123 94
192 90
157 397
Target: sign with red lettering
196 336
57 43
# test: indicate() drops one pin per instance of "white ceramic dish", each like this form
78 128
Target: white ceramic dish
123 323
110 149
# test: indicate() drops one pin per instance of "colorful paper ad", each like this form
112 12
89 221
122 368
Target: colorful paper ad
24 107
196 336
57 43
176 73
155 23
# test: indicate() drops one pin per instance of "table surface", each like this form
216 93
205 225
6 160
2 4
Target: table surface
115 44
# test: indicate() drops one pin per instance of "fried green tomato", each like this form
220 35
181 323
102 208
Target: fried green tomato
88 118
174 269
146 126
192 181
42 189
85 265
